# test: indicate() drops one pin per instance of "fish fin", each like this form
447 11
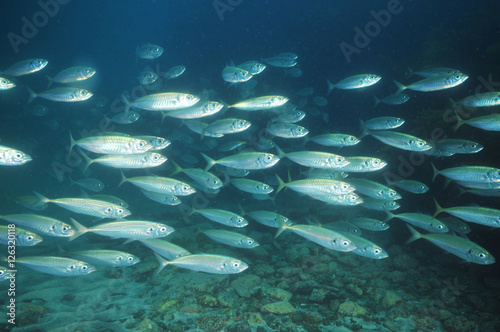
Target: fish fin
79 229
281 184
210 162
162 263
364 130
415 235
241 210
123 178
41 198
127 105
435 171
60 250
377 101
163 116
439 209
281 226
461 191
71 181
281 154
460 121
400 86
127 241
50 80
87 160
410 72
33 95
72 142
389 215
330 85
178 169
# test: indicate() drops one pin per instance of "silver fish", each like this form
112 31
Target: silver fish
41 224
222 217
286 130
64 94
58 266
149 51
73 74
6 84
232 239
21 237
166 101
174 72
164 248
160 185
113 258
13 157
245 161
435 83
214 264
354 82
143 160
164 199
91 184
25 67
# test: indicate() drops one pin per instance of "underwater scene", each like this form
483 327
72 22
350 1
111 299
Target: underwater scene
237 165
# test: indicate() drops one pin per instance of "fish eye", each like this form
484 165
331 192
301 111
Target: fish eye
120 211
189 97
163 229
440 227
29 237
141 144
155 157
481 255
130 258
376 251
250 241
65 228
345 243
269 158
1 273
236 265
457 77
84 267
185 188
420 143
18 155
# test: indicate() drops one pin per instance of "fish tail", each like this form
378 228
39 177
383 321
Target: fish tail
364 130
72 142
60 250
439 209
435 171
281 154
127 105
87 160
400 86
415 235
210 162
281 184
177 170
41 198
163 116
461 191
71 181
330 85
79 229
410 72
460 121
162 263
50 80
123 178
377 101
33 95
241 210
281 226
389 215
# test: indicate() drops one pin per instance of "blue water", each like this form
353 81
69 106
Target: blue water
205 36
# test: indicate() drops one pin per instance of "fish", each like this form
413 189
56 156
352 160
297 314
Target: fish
370 224
373 189
366 248
72 74
401 141
482 174
160 185
456 225
30 202
18 237
39 110
222 217
232 74
204 178
475 214
253 67
25 67
6 84
91 207
435 83
164 248
354 82
412 186
174 72
265 143
147 77
164 199
361 164
281 61
459 146
200 128
111 199
13 157
127 117
337 140
393 99
252 186
142 160
383 123
58 266
323 236
487 99
380 204
91 184
149 51
228 126
432 71
63 94
320 101
158 143
424 221
244 161
267 218
232 239
260 103
115 145
315 159
349 199
291 116
316 186
208 263
41 224
196 111
286 130
127 229
489 122
458 246
230 146
165 101
113 258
